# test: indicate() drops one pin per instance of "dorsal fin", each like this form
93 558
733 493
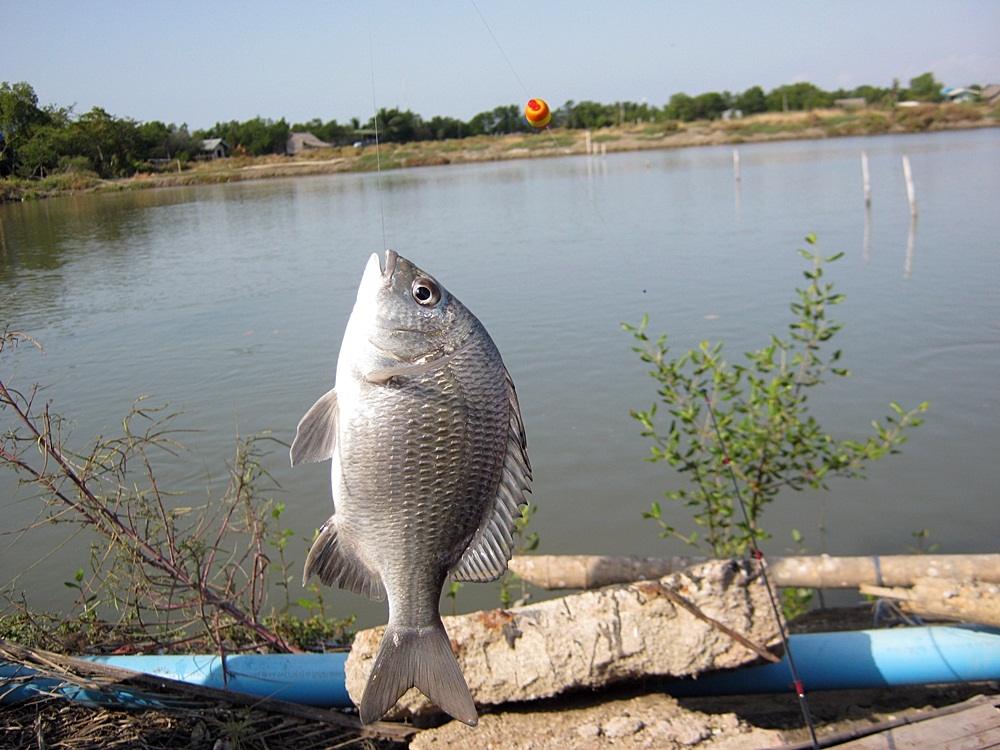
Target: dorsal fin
485 559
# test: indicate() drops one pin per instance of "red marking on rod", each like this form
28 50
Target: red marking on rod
757 554
799 689
726 460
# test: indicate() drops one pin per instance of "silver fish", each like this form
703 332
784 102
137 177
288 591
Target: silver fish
429 471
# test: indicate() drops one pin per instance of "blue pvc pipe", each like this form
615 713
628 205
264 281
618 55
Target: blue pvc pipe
865 659
309 679
826 661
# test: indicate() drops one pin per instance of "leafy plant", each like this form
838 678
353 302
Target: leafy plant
527 541
922 545
796 600
766 434
170 574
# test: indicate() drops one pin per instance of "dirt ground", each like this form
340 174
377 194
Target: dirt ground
638 715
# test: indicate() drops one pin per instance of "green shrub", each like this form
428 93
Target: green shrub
745 432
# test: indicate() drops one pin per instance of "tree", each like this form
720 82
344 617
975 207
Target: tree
681 107
752 101
924 88
442 128
587 114
499 120
43 151
111 144
798 96
331 132
397 126
709 106
19 114
257 136
873 94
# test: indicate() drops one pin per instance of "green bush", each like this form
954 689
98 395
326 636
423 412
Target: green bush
745 432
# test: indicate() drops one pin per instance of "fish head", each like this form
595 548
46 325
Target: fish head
406 314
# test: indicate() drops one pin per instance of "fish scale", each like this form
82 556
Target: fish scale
429 470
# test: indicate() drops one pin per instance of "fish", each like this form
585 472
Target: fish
429 473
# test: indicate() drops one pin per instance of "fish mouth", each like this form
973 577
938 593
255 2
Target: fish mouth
377 274
391 257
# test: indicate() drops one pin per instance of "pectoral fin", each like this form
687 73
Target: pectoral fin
491 547
316 435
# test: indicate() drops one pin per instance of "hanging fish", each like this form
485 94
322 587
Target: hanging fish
537 113
429 471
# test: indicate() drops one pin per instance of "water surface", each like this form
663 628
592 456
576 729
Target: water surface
228 302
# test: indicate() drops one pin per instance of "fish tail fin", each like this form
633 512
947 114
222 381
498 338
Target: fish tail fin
420 657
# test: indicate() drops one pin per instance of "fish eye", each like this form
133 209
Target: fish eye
425 291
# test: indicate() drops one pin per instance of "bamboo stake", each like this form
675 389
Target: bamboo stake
911 195
818 571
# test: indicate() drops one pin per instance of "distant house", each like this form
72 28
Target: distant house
854 102
960 94
364 137
299 142
732 114
214 148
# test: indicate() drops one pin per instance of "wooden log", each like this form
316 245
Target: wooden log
968 601
815 571
597 638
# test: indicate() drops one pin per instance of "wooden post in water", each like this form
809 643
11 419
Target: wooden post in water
866 179
736 164
910 192
586 135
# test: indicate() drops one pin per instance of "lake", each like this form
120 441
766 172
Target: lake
229 301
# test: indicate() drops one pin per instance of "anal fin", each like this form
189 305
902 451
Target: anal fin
337 565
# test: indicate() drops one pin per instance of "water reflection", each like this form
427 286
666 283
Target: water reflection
44 235
866 243
738 195
910 240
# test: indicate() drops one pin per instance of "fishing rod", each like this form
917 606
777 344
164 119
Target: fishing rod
758 555
756 552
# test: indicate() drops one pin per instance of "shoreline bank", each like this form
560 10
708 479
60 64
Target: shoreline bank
763 128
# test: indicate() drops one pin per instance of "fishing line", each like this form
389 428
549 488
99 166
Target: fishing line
378 155
759 557
527 95
500 47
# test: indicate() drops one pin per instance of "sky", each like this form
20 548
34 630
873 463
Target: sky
199 63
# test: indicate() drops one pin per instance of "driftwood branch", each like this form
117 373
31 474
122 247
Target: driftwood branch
815 571
941 597
697 612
